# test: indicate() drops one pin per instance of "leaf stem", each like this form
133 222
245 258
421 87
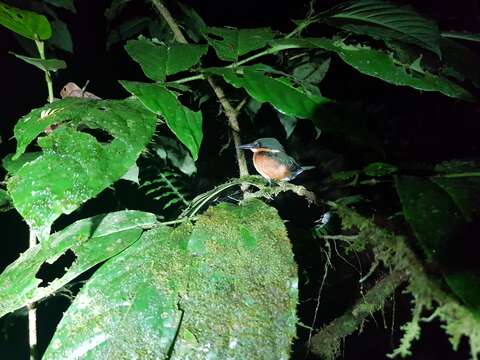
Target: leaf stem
48 77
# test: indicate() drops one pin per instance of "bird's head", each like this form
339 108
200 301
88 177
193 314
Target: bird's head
264 144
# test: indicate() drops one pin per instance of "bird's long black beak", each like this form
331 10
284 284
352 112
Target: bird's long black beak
248 146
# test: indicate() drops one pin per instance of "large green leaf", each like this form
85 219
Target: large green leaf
234 43
225 288
158 61
184 123
381 65
61 38
432 214
12 166
460 62
26 23
74 165
43 64
383 19
279 92
91 240
440 209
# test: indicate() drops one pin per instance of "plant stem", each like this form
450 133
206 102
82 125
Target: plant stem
227 107
32 313
48 77
32 241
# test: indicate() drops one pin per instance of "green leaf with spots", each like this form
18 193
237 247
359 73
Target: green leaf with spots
43 64
26 23
379 169
227 284
230 44
158 61
385 20
184 123
92 241
12 166
74 165
279 92
132 309
381 65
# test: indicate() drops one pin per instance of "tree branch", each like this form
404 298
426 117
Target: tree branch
326 342
230 112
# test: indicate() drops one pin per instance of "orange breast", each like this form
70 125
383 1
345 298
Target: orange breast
269 168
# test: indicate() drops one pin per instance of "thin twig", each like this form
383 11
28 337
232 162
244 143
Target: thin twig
227 107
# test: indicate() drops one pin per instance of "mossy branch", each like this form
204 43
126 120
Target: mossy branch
394 253
327 341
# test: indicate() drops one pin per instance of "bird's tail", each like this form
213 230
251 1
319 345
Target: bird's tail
299 171
304 168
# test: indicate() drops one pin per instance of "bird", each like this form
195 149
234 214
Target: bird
272 162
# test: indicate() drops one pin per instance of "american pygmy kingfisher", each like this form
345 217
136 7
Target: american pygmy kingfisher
271 160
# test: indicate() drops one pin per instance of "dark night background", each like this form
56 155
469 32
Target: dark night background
421 127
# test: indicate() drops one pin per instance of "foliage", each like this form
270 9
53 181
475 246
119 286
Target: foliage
221 281
210 287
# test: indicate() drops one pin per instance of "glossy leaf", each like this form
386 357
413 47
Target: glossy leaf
431 213
184 123
158 61
74 165
66 4
26 23
464 191
279 92
127 30
475 37
460 62
92 241
178 291
466 285
379 64
61 38
234 43
383 19
48 64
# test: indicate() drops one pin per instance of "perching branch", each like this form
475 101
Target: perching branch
229 110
